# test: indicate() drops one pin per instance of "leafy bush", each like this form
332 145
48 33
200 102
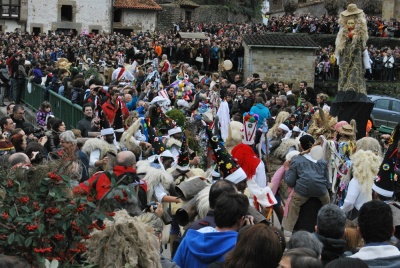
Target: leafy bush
41 219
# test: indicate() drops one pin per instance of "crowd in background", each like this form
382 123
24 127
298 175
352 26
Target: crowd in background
126 79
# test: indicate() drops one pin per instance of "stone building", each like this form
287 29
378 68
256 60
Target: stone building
13 15
136 15
78 15
175 11
280 57
391 9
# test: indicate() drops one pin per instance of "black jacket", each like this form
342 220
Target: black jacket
333 248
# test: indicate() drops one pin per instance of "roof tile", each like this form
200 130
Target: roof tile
137 4
280 39
187 3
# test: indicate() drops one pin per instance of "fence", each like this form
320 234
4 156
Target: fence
62 108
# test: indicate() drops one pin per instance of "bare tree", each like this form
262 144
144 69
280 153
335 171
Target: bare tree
372 7
290 6
332 7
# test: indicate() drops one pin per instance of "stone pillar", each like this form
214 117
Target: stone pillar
388 9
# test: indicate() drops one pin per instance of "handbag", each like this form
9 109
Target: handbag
199 59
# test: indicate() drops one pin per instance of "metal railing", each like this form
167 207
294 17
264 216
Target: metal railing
62 108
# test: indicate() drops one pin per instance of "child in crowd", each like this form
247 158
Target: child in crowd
43 113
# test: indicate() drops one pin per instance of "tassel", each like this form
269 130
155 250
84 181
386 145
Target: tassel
270 199
256 204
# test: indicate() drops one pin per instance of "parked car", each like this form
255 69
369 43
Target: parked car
386 111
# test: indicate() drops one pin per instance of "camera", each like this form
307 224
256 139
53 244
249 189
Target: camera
38 132
151 205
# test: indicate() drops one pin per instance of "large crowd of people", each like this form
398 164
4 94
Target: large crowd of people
175 122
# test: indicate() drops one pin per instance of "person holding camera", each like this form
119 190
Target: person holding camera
245 102
89 125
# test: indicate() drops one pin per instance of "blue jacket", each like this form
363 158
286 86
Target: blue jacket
198 250
132 104
262 111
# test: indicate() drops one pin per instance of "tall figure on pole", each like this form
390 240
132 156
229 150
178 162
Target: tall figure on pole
351 101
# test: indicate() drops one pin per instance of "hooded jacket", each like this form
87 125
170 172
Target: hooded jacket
333 248
198 250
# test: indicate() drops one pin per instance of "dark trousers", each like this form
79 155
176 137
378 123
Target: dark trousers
19 89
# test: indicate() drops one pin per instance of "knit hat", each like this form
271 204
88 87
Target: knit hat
6 147
250 121
306 142
170 124
228 167
384 182
183 158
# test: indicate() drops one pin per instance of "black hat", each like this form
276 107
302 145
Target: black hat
156 142
384 182
228 168
183 158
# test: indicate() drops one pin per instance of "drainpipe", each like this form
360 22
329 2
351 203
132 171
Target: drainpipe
112 17
250 61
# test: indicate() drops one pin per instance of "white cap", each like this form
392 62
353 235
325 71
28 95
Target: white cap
166 153
237 176
107 131
174 130
157 99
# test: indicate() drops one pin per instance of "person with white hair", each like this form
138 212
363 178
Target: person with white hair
70 150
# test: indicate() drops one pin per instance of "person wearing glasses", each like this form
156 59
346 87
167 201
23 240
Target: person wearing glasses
18 116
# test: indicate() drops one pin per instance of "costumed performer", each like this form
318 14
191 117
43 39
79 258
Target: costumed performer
351 101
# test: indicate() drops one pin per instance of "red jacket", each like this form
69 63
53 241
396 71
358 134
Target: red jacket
110 110
103 183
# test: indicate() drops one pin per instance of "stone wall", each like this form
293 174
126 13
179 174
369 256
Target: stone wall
139 20
88 14
10 25
391 9
290 65
172 13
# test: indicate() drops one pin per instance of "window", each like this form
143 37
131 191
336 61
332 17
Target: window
382 104
117 15
188 16
36 30
66 13
95 31
396 106
10 9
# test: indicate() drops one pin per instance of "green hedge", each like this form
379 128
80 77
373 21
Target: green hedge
391 89
324 40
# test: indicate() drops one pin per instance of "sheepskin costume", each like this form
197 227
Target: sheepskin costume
322 124
365 167
125 242
234 135
153 177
